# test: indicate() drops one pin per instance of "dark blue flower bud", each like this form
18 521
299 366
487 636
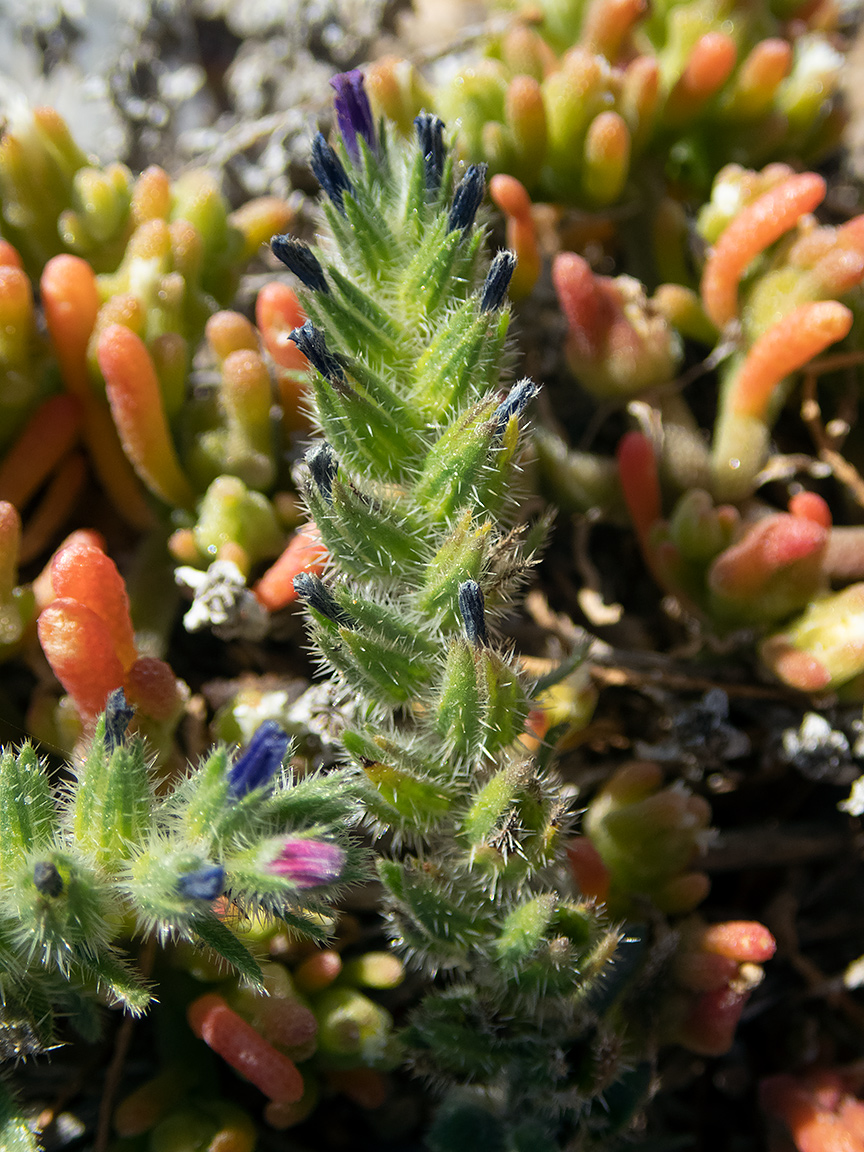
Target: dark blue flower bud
353 113
517 400
497 281
117 716
260 762
323 465
329 172
472 608
46 879
317 595
430 136
203 884
301 260
467 198
310 340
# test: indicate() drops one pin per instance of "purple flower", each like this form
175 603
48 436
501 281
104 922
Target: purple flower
260 762
308 863
353 112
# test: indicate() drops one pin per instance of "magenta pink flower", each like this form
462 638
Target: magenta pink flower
308 863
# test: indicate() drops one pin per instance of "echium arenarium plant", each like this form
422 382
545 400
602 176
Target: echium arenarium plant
411 488
105 859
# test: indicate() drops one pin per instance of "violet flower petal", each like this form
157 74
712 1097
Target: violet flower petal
353 112
308 863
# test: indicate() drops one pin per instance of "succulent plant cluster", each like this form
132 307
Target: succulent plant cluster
591 103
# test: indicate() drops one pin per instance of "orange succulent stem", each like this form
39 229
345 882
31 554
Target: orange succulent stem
277 313
237 1042
709 67
80 650
637 468
511 197
607 24
83 573
112 466
70 299
43 589
787 346
767 64
59 501
9 256
10 545
48 436
741 435
753 230
304 553
136 405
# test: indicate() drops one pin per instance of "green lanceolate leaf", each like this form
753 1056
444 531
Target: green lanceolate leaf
459 558
111 807
28 817
524 928
412 803
398 676
489 806
461 711
390 623
220 939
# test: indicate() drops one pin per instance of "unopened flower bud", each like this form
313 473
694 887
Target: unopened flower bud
203 884
310 340
47 880
472 608
260 762
308 863
324 466
430 137
467 198
497 281
329 172
117 717
317 595
515 403
301 260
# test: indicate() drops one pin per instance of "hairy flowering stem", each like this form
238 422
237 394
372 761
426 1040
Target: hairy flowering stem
106 856
411 491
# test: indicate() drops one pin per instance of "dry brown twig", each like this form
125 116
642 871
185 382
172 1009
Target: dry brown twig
827 442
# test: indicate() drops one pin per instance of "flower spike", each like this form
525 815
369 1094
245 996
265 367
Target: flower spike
324 466
472 609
